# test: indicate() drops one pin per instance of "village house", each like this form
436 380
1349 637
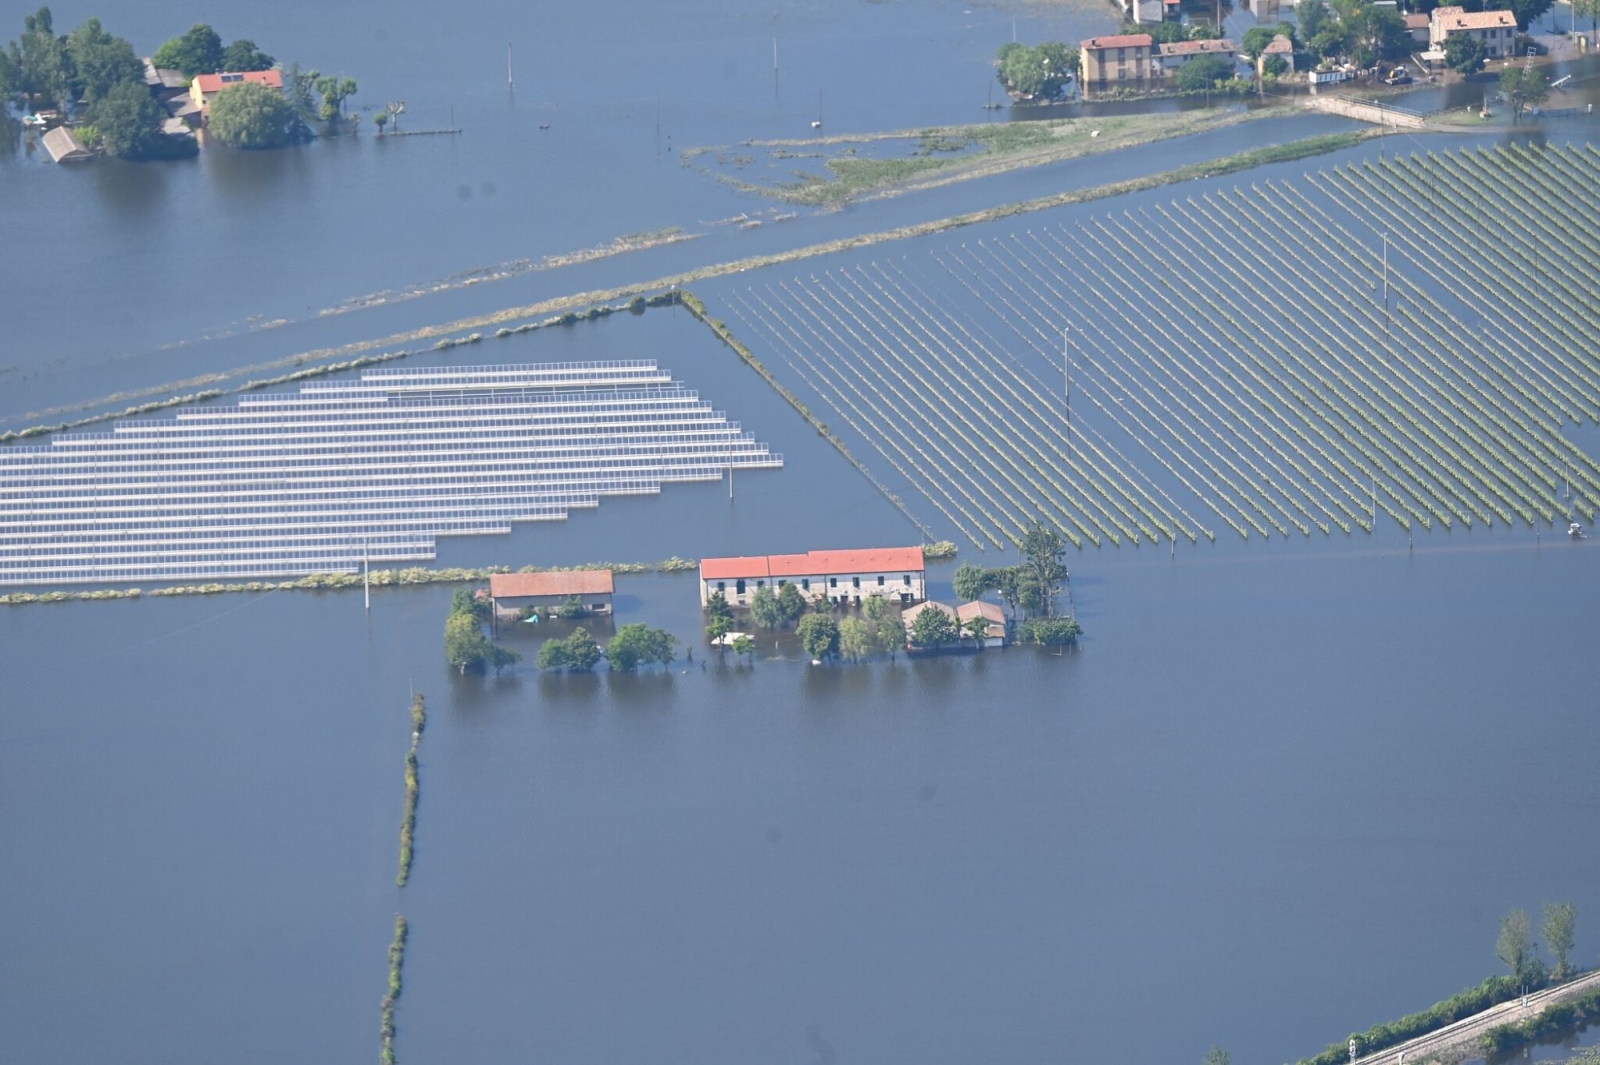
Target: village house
204 89
1279 46
1127 60
996 617
512 593
1172 57
1142 11
1417 25
845 577
1496 29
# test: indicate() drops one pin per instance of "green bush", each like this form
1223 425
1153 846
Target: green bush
1491 992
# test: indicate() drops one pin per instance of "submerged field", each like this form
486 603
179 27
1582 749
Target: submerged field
1241 363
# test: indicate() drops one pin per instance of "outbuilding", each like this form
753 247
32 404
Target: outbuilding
511 593
996 617
64 146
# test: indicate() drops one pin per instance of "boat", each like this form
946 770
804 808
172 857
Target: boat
1575 531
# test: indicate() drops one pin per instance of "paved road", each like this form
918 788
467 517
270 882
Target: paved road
1468 1029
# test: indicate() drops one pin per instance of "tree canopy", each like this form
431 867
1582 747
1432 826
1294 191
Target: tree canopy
1525 87
578 653
1558 928
1203 72
764 608
819 634
1516 949
1465 54
101 62
933 628
129 120
1041 71
637 644
466 647
40 64
197 51
251 115
1256 38
244 55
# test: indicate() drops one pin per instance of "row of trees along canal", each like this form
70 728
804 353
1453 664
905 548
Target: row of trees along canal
1527 972
97 82
1030 589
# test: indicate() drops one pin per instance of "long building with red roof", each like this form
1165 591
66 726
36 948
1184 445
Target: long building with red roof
846 577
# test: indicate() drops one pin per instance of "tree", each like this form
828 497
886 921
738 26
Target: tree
1274 66
101 62
553 655
1515 947
1041 71
717 606
636 644
933 628
1256 39
1527 10
1327 43
464 602
42 65
718 627
1202 73
1465 54
129 120
381 119
764 608
891 635
1524 87
251 115
8 76
819 635
1042 546
334 91
978 628
1217 1056
857 640
1052 632
1557 928
744 645
970 581
577 652
1310 16
1160 32
1590 8
244 55
395 109
791 604
465 646
199 51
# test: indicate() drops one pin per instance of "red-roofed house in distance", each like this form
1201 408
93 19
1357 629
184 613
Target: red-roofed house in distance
846 577
205 88
1126 60
512 593
1496 29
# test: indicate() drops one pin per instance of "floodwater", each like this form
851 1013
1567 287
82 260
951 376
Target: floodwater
1281 792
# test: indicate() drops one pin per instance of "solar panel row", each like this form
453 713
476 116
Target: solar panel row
291 483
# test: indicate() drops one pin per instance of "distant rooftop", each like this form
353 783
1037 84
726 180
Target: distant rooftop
1121 40
218 82
1455 18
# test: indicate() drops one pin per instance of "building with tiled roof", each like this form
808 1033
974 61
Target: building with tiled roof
512 593
845 577
1280 46
1173 56
1125 60
1496 29
207 87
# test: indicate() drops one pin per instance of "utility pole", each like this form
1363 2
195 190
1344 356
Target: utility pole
658 125
366 573
510 83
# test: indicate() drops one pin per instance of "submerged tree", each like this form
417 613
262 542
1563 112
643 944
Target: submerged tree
251 115
791 604
764 608
1516 949
1558 927
819 634
197 51
933 628
129 120
466 647
637 644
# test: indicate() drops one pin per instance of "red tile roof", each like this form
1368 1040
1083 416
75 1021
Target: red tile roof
572 582
733 569
978 608
218 82
1121 40
1222 47
1455 18
1417 21
815 563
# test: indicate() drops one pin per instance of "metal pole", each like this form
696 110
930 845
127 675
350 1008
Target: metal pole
510 84
366 573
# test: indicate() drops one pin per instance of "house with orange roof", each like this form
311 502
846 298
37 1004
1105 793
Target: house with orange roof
1124 60
846 577
513 594
1496 29
205 88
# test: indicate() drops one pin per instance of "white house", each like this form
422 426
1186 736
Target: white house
846 577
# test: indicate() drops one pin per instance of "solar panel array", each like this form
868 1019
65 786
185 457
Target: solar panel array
314 481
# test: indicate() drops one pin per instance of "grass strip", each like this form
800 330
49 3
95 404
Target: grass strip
408 820
397 961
